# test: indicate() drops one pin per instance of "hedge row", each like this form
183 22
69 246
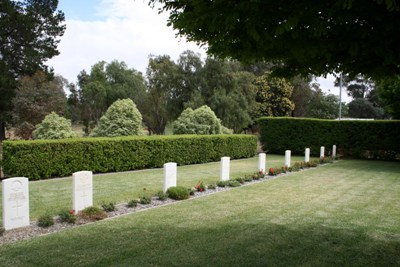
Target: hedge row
41 159
359 139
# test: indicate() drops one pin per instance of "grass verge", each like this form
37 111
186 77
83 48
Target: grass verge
345 214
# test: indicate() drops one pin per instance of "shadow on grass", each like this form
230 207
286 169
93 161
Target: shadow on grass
233 244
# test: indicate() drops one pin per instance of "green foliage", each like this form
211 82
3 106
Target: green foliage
2 230
272 97
133 203
121 119
361 139
92 214
200 187
240 180
41 159
389 91
362 108
108 207
178 193
301 36
222 183
199 121
67 216
30 32
45 221
36 97
162 196
145 199
211 186
234 183
54 127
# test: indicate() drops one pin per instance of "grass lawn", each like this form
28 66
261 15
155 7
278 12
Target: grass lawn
51 196
343 214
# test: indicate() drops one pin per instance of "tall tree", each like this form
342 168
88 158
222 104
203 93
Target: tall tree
36 97
389 92
301 37
272 97
105 84
324 106
29 35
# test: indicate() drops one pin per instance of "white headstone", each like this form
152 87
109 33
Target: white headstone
261 162
15 203
287 158
307 155
322 152
225 167
334 151
82 190
169 175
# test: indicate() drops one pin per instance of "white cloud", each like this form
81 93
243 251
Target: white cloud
130 32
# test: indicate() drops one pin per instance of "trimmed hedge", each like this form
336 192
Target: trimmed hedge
356 138
41 159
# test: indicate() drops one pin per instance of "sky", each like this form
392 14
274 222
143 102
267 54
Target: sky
123 30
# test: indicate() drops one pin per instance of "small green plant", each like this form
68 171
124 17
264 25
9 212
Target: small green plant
45 221
222 183
108 207
162 196
240 180
92 214
145 198
67 216
284 169
234 183
248 178
133 203
212 186
200 187
178 193
192 191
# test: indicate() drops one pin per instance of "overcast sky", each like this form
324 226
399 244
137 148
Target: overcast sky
123 30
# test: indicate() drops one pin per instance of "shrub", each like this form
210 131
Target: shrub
271 172
192 191
212 186
240 180
178 193
2 230
67 216
248 177
200 187
360 139
122 118
108 207
45 221
54 127
199 121
133 203
222 183
233 183
41 159
92 214
162 196
145 199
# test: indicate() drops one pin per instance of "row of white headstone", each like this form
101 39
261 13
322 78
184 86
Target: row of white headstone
16 190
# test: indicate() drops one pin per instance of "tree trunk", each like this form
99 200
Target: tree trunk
2 131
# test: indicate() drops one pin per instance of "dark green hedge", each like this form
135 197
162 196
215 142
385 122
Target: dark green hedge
356 138
55 158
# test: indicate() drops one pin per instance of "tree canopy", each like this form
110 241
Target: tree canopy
300 37
29 35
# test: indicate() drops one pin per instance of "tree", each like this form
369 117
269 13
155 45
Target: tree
362 108
199 121
325 106
36 97
302 95
54 127
29 34
389 92
301 37
105 84
122 118
272 97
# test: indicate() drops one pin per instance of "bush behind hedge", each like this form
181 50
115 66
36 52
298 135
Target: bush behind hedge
356 138
41 159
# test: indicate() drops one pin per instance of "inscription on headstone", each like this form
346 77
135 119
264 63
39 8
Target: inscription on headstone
225 168
15 202
169 175
82 190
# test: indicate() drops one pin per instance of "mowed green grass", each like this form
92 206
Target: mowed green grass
342 214
51 196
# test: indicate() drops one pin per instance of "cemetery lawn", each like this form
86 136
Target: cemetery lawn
53 195
342 214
